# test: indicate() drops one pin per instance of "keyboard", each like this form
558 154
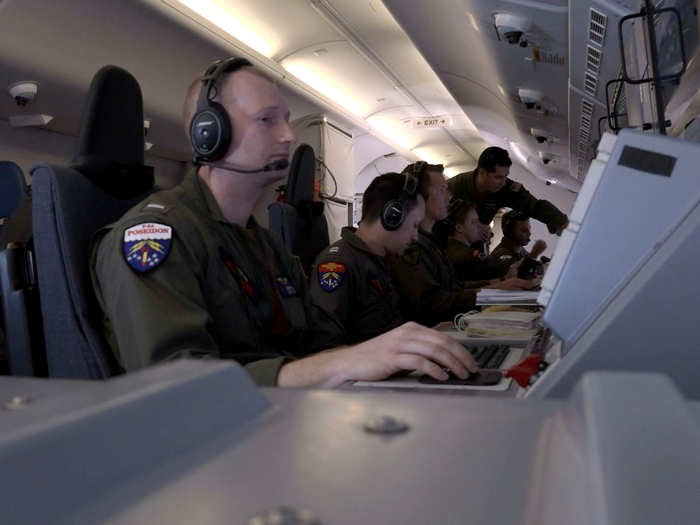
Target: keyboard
489 356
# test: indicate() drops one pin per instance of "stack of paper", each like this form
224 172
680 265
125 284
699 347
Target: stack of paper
494 296
500 324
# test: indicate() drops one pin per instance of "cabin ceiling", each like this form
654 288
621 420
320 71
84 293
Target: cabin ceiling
376 65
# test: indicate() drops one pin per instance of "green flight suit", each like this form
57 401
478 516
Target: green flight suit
354 285
505 254
469 266
430 292
512 195
220 291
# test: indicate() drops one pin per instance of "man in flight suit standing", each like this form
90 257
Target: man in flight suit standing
351 279
188 272
489 186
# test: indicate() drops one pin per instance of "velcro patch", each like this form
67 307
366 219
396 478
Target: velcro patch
285 286
146 245
331 275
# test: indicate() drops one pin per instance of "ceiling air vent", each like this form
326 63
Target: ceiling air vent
593 58
590 83
596 27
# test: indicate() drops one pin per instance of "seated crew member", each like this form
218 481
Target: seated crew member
425 279
188 272
351 279
489 186
469 263
511 249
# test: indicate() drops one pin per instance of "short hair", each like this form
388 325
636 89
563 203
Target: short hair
420 169
508 222
492 157
461 211
189 107
382 189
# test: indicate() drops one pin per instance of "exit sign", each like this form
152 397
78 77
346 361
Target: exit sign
431 122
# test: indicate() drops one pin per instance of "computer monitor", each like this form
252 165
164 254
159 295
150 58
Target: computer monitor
623 290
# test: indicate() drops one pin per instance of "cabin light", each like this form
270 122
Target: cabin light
503 91
451 172
21 121
390 133
147 145
518 152
427 155
320 52
221 18
316 82
472 21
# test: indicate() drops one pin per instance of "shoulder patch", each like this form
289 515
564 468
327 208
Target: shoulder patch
331 275
334 249
516 186
285 286
146 245
505 257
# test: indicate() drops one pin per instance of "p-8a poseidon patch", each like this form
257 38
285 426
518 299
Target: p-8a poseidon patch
146 245
330 275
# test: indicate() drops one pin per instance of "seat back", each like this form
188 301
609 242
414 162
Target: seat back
299 222
70 204
22 351
13 188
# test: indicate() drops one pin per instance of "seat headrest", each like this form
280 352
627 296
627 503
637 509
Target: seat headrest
300 183
111 143
13 187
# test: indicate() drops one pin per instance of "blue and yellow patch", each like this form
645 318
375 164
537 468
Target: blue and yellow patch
331 275
285 286
146 245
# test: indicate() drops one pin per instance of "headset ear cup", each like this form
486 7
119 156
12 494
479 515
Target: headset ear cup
393 215
210 132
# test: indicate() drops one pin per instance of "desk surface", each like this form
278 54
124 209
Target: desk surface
197 442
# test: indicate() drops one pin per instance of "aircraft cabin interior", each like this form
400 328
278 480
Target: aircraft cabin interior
586 405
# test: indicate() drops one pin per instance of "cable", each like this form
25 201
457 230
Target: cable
461 321
335 182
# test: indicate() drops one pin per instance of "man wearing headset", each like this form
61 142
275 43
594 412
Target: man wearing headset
430 292
511 249
188 272
351 278
489 186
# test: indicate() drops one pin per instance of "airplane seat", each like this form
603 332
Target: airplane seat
299 222
70 204
13 188
17 295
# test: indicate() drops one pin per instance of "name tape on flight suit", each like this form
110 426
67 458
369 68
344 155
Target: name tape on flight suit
146 245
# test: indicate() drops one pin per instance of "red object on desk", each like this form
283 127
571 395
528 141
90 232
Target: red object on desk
523 370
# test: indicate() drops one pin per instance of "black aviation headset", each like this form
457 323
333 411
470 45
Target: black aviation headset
509 220
210 129
394 211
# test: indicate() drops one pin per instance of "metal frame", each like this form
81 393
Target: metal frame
649 12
